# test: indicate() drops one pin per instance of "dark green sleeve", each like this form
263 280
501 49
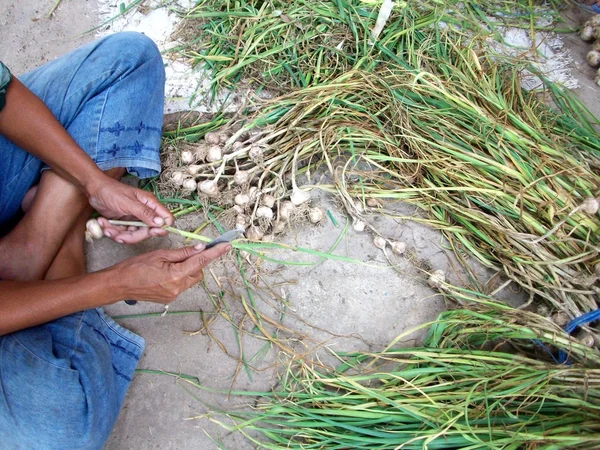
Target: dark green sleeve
5 77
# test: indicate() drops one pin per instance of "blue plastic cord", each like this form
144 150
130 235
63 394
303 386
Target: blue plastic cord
586 318
590 8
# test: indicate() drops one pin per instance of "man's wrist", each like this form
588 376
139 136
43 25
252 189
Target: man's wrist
93 180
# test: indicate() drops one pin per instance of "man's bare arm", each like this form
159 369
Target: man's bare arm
159 277
28 123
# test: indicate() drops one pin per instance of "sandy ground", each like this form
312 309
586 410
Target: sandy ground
338 305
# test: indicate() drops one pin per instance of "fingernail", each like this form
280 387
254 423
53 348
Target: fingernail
120 241
199 246
107 234
159 221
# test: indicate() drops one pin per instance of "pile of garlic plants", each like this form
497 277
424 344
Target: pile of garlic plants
591 32
242 175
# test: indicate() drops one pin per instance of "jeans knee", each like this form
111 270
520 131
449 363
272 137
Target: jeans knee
136 50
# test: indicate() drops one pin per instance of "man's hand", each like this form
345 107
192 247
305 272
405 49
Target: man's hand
116 200
160 276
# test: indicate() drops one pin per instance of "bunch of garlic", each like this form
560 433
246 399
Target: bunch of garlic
589 32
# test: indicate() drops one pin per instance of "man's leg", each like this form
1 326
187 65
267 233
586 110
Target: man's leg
109 97
70 259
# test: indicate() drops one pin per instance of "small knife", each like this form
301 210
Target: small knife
225 237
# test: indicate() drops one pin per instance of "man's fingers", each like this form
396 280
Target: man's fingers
195 264
128 235
132 236
179 255
160 215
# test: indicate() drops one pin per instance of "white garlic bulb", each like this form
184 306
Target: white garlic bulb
209 187
590 206
379 242
593 58
94 229
255 153
241 221
286 210
242 200
278 227
215 153
223 138
254 233
265 212
241 177
177 178
187 157
194 169
398 247
437 279
190 185
268 200
299 196
316 214
212 138
587 33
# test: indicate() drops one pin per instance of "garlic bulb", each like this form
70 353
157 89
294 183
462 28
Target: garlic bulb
194 169
223 138
586 339
596 45
286 210
593 58
253 193
241 177
359 225
94 229
255 152
237 145
178 178
187 157
543 310
437 279
594 21
242 200
316 214
590 206
268 200
254 233
379 242
398 247
214 153
212 138
373 203
299 196
587 33
264 212
278 227
241 221
209 187
190 185
560 318
268 238
238 209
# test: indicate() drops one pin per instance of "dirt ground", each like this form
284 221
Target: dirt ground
341 306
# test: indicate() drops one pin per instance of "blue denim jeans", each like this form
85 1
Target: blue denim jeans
109 96
62 383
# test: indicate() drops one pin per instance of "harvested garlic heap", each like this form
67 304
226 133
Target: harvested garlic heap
229 170
591 32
